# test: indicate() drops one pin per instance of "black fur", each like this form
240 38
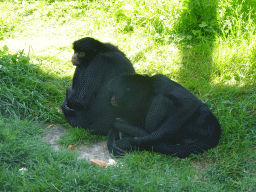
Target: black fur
87 102
157 114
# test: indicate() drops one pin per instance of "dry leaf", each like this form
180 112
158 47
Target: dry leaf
72 147
59 110
50 126
98 162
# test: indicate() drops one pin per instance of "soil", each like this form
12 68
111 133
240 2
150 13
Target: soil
95 151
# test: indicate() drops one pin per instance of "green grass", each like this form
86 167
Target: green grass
208 46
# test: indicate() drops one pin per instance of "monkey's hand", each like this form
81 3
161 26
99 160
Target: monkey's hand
112 147
68 111
125 143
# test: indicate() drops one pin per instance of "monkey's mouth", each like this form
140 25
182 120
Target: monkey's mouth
75 62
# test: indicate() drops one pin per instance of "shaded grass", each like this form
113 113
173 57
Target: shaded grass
21 147
25 88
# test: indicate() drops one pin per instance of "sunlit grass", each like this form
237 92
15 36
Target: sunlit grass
236 63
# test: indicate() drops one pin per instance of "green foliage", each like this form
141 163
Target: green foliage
6 26
237 18
198 18
23 91
3 29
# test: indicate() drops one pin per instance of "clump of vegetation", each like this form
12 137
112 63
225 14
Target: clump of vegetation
24 90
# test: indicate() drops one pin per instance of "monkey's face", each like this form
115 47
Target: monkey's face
78 58
126 97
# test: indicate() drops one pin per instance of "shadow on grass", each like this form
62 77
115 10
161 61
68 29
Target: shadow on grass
198 19
27 91
233 105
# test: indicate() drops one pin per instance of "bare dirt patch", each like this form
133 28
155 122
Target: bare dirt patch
95 151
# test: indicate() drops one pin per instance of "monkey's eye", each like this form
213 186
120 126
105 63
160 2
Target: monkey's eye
81 54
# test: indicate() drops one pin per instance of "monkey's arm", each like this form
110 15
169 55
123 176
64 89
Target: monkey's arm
133 131
129 134
86 81
117 149
176 102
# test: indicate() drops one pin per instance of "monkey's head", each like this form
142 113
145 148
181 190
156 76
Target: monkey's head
131 93
85 50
